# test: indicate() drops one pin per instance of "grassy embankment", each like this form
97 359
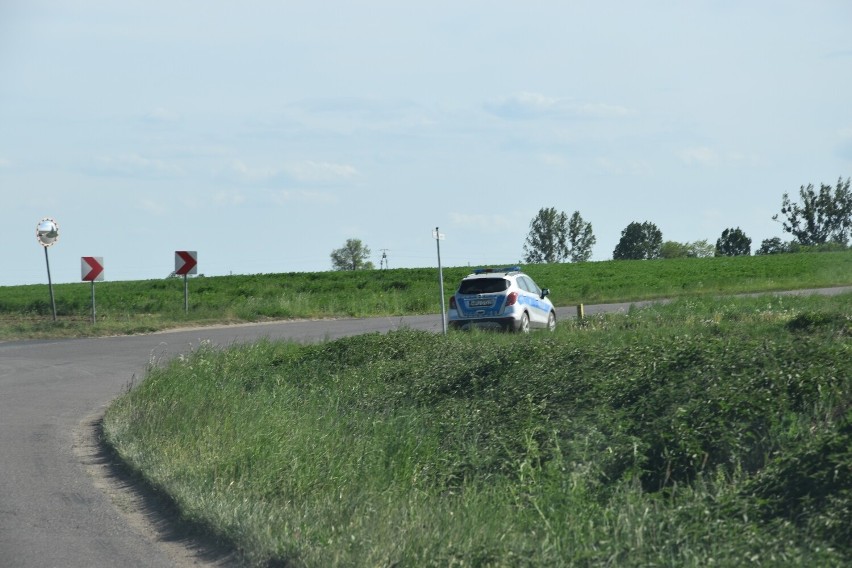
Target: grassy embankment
701 433
144 306
694 434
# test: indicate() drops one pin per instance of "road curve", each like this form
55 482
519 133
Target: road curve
53 512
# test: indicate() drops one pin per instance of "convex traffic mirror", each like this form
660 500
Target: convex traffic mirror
47 232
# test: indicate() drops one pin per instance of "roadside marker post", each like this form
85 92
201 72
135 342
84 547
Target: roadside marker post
186 262
438 238
92 270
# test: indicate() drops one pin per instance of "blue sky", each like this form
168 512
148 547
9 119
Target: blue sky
263 134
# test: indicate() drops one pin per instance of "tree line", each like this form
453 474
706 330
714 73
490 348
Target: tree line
821 220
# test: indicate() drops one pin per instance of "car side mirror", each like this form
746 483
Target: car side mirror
545 292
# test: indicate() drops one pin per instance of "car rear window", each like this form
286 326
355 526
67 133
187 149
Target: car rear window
483 286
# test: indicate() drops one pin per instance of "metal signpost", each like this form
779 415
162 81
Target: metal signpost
438 238
47 233
186 262
91 270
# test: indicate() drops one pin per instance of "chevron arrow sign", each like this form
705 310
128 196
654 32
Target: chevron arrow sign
186 262
92 268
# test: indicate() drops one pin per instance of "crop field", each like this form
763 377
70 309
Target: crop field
144 306
705 432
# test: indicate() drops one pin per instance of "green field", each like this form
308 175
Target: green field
144 306
705 432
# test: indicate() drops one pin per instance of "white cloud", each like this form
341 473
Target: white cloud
285 197
699 155
554 160
252 174
625 167
161 114
307 172
482 222
229 198
154 207
599 110
134 165
533 105
321 171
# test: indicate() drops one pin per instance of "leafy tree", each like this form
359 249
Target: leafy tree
697 249
733 242
773 246
639 241
674 249
554 237
701 249
351 256
547 240
821 217
580 238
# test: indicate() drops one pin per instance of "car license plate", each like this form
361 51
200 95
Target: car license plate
480 303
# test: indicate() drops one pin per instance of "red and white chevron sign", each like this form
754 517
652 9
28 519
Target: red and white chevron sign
186 262
92 268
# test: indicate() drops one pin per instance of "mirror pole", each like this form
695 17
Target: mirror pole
50 283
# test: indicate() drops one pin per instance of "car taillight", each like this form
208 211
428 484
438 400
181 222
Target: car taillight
453 303
511 298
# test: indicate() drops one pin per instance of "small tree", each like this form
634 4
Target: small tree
700 249
821 217
697 249
674 249
547 240
639 241
733 242
580 238
351 256
773 246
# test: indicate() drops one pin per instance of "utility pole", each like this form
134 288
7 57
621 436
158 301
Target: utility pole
383 263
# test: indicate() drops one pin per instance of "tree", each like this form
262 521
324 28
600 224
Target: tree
351 256
821 217
697 249
773 246
701 249
547 240
674 249
733 242
554 237
639 241
580 238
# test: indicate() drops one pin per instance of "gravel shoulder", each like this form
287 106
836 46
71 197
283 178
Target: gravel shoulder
147 511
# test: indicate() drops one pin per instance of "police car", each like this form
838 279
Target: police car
503 298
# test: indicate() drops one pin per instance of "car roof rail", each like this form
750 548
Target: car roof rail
506 269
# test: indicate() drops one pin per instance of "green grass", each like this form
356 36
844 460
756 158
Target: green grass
144 306
704 432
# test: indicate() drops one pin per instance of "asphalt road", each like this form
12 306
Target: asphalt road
55 509
52 513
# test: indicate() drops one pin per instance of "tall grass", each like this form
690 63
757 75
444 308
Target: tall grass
699 433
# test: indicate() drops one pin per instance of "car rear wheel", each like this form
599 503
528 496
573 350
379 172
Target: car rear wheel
551 322
524 324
